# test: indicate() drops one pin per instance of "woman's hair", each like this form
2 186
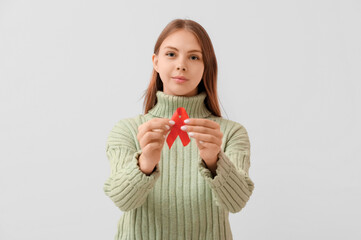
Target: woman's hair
209 79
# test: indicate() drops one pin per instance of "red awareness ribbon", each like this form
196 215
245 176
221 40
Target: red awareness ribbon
178 117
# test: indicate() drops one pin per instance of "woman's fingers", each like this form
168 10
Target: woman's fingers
155 123
152 127
202 122
153 132
206 138
151 147
209 145
151 137
202 129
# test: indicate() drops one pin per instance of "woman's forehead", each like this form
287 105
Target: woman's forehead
182 40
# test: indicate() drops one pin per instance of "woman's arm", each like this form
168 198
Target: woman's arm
127 186
231 185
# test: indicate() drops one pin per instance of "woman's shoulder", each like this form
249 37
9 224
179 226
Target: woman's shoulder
125 131
129 124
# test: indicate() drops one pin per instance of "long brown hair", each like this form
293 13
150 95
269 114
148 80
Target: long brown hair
209 79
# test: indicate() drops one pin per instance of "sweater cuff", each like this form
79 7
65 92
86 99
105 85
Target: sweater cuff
138 178
223 170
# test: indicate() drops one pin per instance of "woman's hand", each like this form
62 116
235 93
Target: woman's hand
151 136
208 137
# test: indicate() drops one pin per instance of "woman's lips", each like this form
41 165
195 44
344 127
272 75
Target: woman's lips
180 80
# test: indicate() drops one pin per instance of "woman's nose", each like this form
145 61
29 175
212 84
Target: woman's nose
180 67
181 64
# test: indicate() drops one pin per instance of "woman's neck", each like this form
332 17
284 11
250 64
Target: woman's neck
166 105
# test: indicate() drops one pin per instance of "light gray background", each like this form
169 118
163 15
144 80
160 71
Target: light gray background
289 71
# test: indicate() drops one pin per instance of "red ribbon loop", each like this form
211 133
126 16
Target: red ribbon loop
178 117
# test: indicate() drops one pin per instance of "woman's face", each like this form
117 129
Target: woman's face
179 55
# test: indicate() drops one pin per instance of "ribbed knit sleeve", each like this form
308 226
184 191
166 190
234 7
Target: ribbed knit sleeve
127 186
231 187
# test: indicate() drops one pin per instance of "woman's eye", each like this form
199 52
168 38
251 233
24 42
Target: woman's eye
171 54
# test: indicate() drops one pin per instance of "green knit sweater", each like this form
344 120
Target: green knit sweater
180 199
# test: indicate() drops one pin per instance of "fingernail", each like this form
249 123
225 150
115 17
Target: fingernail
184 128
172 122
186 121
201 141
167 126
191 134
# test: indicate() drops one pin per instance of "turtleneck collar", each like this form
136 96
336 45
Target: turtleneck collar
167 104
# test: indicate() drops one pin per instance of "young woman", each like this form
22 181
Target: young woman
179 190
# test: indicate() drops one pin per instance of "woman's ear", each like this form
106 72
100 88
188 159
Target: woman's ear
155 62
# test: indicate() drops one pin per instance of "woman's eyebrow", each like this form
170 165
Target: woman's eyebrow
195 50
